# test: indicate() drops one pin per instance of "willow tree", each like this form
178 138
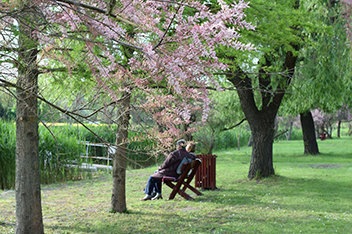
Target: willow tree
324 72
263 77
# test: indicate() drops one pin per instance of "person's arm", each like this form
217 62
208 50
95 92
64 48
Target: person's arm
167 162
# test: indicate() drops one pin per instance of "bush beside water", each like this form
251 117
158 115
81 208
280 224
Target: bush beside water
57 154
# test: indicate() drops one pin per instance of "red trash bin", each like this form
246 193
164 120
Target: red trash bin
206 174
322 136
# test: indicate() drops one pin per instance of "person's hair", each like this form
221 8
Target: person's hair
181 143
191 147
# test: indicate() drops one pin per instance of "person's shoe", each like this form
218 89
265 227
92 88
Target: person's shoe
146 198
157 196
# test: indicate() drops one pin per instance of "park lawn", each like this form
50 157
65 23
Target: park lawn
310 194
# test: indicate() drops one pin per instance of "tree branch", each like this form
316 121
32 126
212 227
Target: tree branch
168 27
281 133
99 10
225 129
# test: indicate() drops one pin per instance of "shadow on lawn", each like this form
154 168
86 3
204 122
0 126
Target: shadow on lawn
287 193
147 221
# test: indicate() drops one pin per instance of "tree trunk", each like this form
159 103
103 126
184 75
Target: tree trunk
250 140
261 164
211 145
239 138
118 198
288 135
329 130
308 129
28 200
339 128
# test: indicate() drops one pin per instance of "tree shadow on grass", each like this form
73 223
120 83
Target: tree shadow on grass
290 193
154 221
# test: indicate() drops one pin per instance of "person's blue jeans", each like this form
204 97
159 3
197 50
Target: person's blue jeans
153 185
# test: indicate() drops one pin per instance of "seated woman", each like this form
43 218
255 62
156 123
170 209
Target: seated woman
191 148
167 168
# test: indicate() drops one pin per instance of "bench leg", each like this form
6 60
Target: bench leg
175 191
192 188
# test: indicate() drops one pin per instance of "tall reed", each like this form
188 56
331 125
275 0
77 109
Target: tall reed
58 152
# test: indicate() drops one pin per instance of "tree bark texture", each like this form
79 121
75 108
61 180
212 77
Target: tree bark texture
308 130
28 199
261 164
118 198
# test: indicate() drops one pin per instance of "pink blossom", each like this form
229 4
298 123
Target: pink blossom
170 51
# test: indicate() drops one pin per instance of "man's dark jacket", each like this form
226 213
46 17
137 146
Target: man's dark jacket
169 166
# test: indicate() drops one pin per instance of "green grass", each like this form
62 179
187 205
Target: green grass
310 194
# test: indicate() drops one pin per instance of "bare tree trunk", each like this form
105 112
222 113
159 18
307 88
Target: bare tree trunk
261 164
339 128
308 129
288 135
250 140
28 201
118 198
239 139
211 145
329 129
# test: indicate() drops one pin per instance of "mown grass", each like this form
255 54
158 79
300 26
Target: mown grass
310 194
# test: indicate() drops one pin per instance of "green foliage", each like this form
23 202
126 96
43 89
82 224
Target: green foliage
323 77
229 139
7 155
296 134
225 113
105 132
140 152
7 106
7 113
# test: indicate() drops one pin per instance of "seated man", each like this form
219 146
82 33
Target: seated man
167 168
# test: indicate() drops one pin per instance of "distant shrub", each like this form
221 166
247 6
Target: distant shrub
7 155
229 139
296 134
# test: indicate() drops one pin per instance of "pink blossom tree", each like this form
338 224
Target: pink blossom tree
347 14
172 58
325 121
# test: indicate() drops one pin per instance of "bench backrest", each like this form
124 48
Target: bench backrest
190 169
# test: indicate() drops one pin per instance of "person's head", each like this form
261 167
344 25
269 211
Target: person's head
191 147
180 144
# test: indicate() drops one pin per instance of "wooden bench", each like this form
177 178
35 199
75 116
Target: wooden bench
188 172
